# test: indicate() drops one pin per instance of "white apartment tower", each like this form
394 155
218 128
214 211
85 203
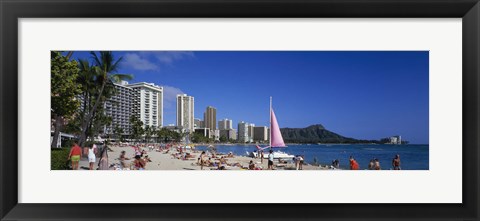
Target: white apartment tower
243 132
185 110
150 103
120 107
251 133
225 124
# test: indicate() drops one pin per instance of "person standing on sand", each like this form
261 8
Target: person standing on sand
371 165
396 162
75 155
377 164
103 162
296 159
92 151
353 164
202 159
261 156
270 160
122 159
300 164
336 164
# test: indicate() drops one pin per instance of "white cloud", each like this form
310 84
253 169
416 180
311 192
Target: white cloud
168 57
170 96
136 62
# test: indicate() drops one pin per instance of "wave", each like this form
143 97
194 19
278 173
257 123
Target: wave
371 148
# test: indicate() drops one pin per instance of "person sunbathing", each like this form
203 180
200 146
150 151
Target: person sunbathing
223 160
222 163
147 159
251 165
230 155
208 162
236 165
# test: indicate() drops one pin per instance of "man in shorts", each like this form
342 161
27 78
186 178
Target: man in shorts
270 160
396 162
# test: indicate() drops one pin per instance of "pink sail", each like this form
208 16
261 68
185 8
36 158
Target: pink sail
275 135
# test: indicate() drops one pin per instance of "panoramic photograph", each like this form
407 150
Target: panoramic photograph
239 110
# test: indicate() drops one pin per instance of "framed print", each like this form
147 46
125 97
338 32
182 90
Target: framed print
239 110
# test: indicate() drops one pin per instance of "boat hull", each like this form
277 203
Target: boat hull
276 155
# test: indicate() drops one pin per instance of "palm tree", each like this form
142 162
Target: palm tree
105 68
86 79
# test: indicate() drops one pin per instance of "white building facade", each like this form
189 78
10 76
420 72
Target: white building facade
150 103
225 124
120 107
243 132
198 123
185 112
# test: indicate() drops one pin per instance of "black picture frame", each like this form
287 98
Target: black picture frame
11 11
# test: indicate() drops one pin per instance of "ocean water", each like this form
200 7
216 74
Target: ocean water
413 157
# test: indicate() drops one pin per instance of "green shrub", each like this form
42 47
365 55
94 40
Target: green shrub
59 158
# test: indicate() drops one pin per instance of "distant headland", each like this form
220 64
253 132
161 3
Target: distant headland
318 134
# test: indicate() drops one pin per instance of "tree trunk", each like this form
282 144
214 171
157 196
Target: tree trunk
58 127
69 55
86 121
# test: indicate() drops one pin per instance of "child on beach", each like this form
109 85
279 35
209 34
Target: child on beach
74 155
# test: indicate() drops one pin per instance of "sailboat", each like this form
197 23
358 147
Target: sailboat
276 140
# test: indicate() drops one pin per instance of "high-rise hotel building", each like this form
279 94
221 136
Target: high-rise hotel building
185 110
120 107
198 123
251 133
225 124
150 103
243 132
260 134
210 118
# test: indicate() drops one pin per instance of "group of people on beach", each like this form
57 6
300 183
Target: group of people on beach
206 158
139 162
76 153
374 163
216 161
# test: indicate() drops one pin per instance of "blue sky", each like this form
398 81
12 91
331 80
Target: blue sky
364 95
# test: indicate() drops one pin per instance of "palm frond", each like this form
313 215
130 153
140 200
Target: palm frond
116 78
96 59
116 65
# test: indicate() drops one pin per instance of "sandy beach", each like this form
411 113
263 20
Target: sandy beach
163 160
